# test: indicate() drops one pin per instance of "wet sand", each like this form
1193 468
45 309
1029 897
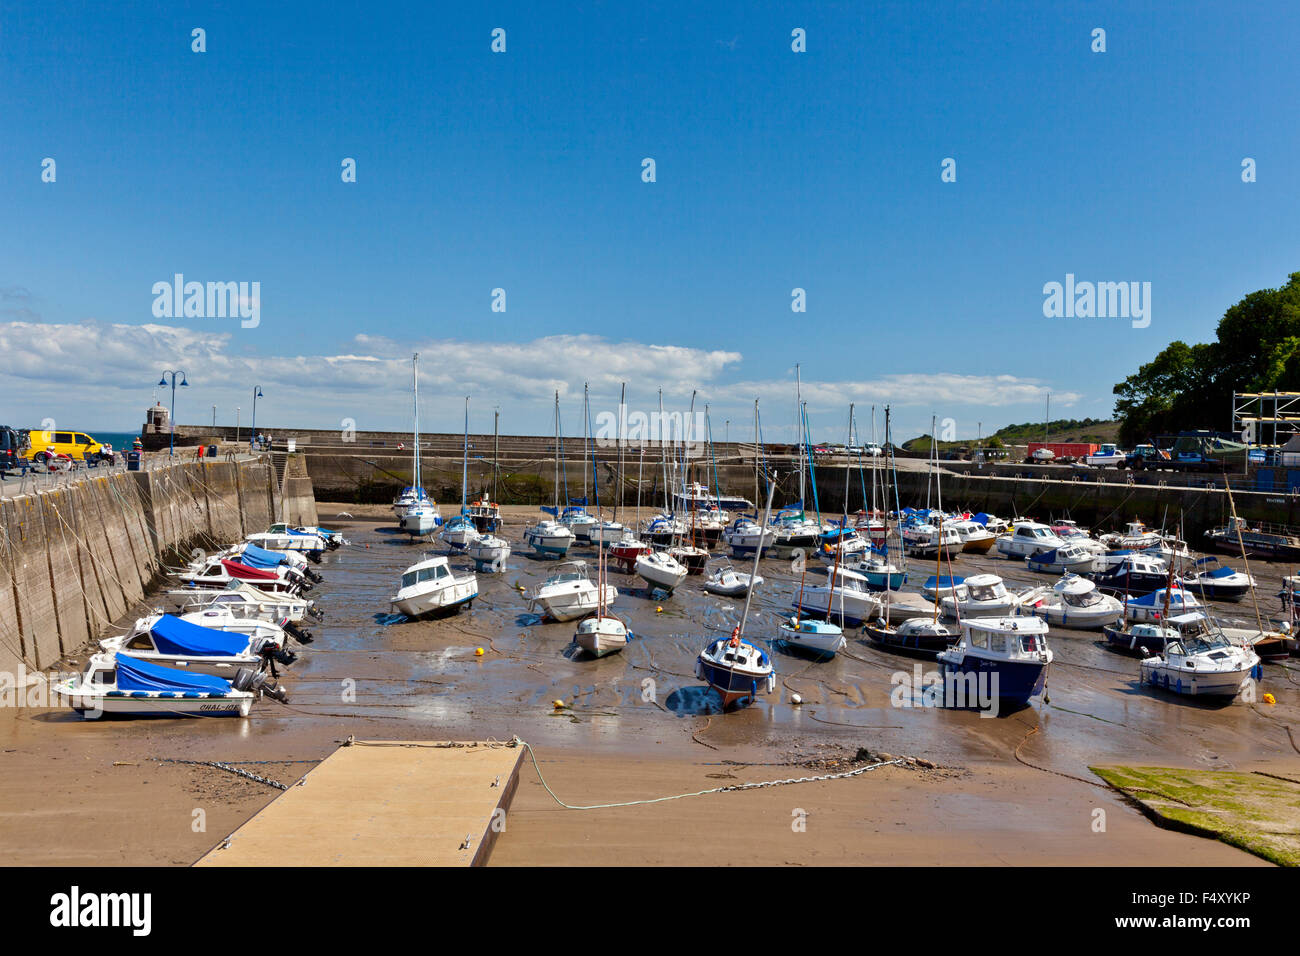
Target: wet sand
85 792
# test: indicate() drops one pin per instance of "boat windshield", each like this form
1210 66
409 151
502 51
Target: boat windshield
434 573
983 592
1032 643
1086 599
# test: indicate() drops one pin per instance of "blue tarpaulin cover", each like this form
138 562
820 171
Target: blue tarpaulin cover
135 674
261 558
171 635
1221 572
982 517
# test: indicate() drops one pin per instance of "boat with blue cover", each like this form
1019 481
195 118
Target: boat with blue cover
1007 656
1218 582
123 685
822 639
177 642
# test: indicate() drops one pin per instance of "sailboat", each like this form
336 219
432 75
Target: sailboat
417 513
489 551
549 536
629 547
575 516
733 667
601 633
602 531
690 556
461 531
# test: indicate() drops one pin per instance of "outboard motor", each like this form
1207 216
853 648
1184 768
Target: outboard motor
298 634
315 613
258 682
313 575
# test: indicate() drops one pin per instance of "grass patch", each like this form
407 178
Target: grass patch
1257 813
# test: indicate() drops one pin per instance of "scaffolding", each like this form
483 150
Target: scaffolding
1266 418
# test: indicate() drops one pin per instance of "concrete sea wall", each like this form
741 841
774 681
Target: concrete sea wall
76 556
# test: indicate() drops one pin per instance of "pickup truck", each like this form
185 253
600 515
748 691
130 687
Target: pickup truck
1146 456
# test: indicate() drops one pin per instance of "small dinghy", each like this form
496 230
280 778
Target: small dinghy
430 587
661 570
569 593
489 553
918 635
1076 602
1218 582
1009 655
177 642
1207 666
820 638
728 582
119 684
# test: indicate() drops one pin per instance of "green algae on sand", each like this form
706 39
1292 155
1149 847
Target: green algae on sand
1257 812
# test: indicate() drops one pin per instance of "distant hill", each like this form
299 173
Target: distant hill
1095 430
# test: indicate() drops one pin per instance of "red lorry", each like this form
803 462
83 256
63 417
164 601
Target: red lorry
1061 451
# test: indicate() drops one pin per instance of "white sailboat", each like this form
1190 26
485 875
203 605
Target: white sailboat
601 633
549 536
417 513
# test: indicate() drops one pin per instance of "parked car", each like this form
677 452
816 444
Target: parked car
12 446
45 446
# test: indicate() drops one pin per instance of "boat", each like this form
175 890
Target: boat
569 593
728 582
899 606
332 539
938 586
202 649
243 600
259 557
923 539
122 685
744 535
1136 537
792 529
844 598
1068 558
1206 666
660 570
1160 604
1150 638
1077 602
842 545
548 537
1107 456
577 519
1135 573
1007 657
986 595
417 513
820 638
217 573
485 513
1218 582
628 549
1270 542
974 537
309 544
690 557
880 573
488 552
918 635
732 667
431 587
602 633
604 532
1027 538
459 532
663 529
697 497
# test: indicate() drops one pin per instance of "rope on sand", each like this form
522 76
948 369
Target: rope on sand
699 793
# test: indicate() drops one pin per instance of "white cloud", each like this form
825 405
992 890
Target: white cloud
99 375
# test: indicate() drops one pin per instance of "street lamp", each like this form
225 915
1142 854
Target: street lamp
162 383
236 424
252 434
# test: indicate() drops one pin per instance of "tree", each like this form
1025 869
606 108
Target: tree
1257 349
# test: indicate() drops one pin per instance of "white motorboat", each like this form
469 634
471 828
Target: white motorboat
301 542
1027 538
744 535
604 533
821 638
1009 656
1160 604
243 600
974 537
569 593
880 572
923 539
459 533
728 582
845 598
1218 582
985 595
579 521
489 552
1208 666
119 684
421 519
198 646
333 539
661 570
1069 558
548 537
430 587
1076 602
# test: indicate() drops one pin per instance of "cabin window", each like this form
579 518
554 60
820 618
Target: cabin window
105 678
141 642
979 639
408 579
982 592
1029 643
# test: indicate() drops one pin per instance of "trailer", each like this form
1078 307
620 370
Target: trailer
1064 452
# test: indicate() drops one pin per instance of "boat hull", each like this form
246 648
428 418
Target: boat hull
1188 682
1016 681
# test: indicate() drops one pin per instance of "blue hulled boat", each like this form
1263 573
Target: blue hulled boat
1007 656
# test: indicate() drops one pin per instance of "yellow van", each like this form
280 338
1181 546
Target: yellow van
76 445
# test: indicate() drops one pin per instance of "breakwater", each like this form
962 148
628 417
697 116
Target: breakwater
78 554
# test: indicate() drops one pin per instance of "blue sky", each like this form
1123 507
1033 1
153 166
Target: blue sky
522 171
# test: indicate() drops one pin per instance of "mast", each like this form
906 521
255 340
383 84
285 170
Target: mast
556 498
415 390
663 449
464 461
753 576
618 499
758 491
799 412
496 450
586 417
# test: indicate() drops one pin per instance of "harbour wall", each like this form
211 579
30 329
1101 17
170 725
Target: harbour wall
76 553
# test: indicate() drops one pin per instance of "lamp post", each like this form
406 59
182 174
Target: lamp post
252 434
162 383
236 424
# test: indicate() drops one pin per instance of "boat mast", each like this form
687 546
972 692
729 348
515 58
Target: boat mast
556 498
415 390
464 461
496 450
586 417
1236 524
758 490
618 499
753 576
663 450
799 412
